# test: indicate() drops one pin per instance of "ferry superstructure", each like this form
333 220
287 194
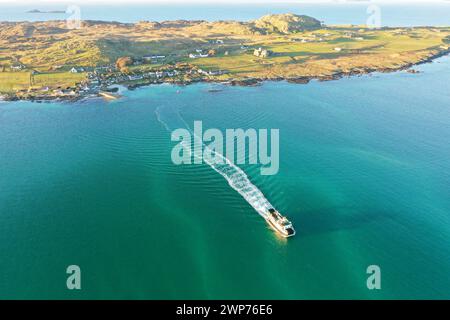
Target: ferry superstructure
280 223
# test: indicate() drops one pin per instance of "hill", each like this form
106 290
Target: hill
286 23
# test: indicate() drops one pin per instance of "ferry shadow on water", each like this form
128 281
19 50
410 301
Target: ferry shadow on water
339 218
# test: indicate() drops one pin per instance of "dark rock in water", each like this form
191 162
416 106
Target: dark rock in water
300 80
245 82
115 89
277 79
328 78
412 71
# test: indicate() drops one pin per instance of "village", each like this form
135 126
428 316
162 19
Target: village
129 74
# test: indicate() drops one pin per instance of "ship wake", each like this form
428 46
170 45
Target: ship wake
171 119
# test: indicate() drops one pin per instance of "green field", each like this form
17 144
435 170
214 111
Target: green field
287 52
14 81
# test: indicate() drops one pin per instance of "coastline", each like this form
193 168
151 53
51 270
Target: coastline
276 47
73 97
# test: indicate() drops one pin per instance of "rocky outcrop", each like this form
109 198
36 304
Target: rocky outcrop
286 23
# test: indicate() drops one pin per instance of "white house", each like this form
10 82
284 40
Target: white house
18 67
154 57
195 56
132 77
75 70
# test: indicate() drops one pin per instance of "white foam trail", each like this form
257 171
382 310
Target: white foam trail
235 176
240 182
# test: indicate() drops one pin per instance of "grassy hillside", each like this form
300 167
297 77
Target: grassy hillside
299 46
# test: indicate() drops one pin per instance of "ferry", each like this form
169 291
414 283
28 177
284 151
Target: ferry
280 224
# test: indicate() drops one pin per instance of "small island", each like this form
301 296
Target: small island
47 60
40 11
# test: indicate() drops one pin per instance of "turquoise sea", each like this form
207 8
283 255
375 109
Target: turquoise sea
364 176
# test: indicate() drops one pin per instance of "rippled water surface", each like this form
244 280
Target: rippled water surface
364 176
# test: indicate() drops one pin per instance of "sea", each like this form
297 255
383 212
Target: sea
364 176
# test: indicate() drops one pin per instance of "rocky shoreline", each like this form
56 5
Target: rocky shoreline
248 82
355 72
